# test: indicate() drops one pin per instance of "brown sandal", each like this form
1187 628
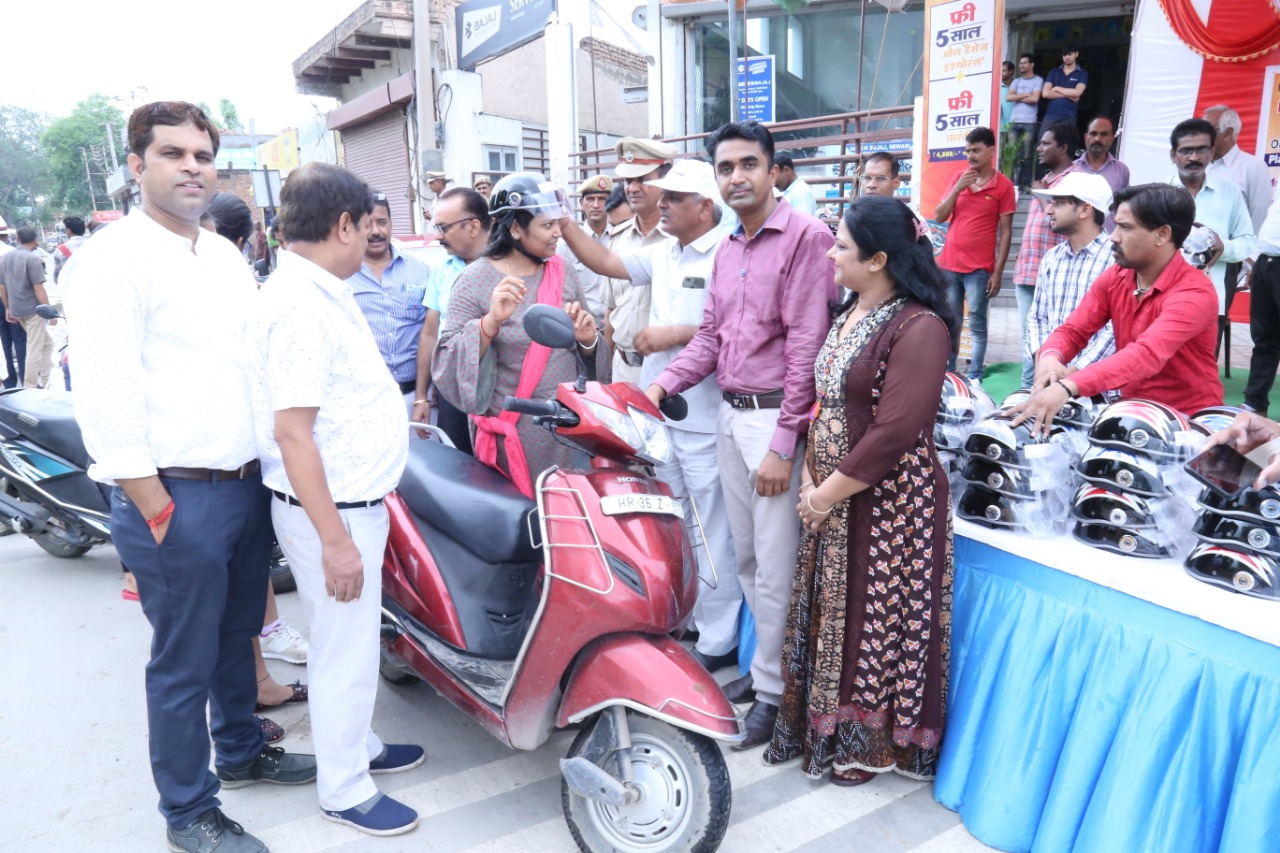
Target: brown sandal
851 778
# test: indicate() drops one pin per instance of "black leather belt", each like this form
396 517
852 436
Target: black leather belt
771 400
630 358
290 499
408 386
248 469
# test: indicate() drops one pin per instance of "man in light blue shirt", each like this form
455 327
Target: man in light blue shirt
1220 205
462 221
389 288
1024 96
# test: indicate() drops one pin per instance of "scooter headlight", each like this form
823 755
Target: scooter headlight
618 424
653 432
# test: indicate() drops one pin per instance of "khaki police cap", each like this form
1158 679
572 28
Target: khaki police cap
639 157
596 184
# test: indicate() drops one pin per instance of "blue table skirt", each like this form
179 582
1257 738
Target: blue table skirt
1084 719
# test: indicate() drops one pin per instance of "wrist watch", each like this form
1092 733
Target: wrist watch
784 457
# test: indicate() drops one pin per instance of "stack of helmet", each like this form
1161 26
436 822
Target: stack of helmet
1010 477
963 404
1239 538
1123 503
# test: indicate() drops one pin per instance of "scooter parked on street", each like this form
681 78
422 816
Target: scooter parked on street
538 614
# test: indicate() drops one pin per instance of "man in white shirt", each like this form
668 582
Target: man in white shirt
1247 172
1264 315
164 400
677 272
332 441
795 189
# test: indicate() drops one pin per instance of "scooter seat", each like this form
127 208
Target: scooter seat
469 502
48 419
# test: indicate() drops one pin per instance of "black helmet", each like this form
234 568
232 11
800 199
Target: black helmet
1119 509
1011 482
990 509
1262 505
1122 470
1235 569
528 191
1132 542
1238 534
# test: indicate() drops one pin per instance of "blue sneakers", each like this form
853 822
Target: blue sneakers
396 757
378 815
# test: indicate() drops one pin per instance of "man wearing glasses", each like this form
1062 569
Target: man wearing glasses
1220 205
389 289
879 175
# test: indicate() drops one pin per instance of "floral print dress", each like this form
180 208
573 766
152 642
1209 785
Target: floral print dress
866 650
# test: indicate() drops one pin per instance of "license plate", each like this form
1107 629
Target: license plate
656 504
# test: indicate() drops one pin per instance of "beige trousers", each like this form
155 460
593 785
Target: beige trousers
39 351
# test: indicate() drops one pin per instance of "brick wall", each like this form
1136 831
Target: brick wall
616 56
239 182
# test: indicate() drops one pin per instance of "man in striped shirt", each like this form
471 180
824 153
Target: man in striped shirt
1077 206
389 289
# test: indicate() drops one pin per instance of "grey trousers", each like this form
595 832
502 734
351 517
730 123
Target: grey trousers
766 535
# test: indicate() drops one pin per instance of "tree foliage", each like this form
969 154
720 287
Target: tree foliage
24 180
85 128
230 116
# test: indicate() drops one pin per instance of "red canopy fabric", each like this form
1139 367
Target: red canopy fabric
1241 29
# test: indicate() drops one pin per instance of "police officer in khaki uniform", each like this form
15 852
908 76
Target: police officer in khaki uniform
592 193
639 161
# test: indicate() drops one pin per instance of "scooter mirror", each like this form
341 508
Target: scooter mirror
549 326
48 312
674 408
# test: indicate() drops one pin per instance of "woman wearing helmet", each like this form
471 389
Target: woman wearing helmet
481 355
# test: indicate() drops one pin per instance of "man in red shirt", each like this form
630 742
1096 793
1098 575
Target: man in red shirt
1163 310
980 204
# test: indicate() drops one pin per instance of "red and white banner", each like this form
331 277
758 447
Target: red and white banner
1188 55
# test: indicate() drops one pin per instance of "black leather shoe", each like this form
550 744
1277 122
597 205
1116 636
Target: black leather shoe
759 725
713 662
740 690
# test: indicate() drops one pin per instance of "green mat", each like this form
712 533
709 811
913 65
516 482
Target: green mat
1003 378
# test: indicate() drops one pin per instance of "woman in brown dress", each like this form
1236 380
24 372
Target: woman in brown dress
866 650
482 348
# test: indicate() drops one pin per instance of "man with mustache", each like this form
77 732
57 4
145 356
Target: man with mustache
1160 307
1220 205
979 204
1097 159
389 289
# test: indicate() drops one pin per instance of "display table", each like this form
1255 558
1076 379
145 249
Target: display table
1103 703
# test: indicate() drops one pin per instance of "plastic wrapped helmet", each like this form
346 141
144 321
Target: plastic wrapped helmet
962 404
1080 412
1261 505
528 191
988 508
1096 504
1197 248
1017 398
1122 470
1216 418
998 440
1132 542
1142 426
1221 565
1238 533
1011 482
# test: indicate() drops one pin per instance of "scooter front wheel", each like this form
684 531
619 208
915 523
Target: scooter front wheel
680 795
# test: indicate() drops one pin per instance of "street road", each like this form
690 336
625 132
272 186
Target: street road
73 748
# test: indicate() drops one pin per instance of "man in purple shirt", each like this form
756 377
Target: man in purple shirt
765 319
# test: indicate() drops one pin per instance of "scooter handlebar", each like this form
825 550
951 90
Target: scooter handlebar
531 407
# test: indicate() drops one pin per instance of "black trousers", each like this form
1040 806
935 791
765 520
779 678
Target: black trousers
1264 326
454 422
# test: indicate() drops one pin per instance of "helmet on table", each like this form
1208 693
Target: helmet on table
1216 418
1237 570
997 439
1132 542
1260 505
1238 533
963 402
528 191
1095 504
1122 470
990 509
1141 426
1008 481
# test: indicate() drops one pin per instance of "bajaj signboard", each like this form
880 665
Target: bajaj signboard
489 28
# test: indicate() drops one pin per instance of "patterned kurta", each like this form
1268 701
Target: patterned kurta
866 651
478 385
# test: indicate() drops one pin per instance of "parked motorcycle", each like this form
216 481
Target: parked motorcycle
45 490
532 615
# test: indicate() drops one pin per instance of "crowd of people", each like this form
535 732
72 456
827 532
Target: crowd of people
811 363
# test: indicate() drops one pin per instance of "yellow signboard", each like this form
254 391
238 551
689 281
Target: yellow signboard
280 153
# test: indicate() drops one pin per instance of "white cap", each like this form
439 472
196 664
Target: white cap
690 176
1091 189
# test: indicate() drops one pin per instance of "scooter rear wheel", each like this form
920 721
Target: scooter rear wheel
685 795
59 547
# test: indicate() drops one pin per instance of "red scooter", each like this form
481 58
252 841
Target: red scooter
535 615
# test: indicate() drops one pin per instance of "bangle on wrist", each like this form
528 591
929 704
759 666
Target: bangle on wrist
161 517
416 402
1065 387
592 346
808 500
485 331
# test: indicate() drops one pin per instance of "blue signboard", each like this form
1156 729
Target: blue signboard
489 28
756 90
